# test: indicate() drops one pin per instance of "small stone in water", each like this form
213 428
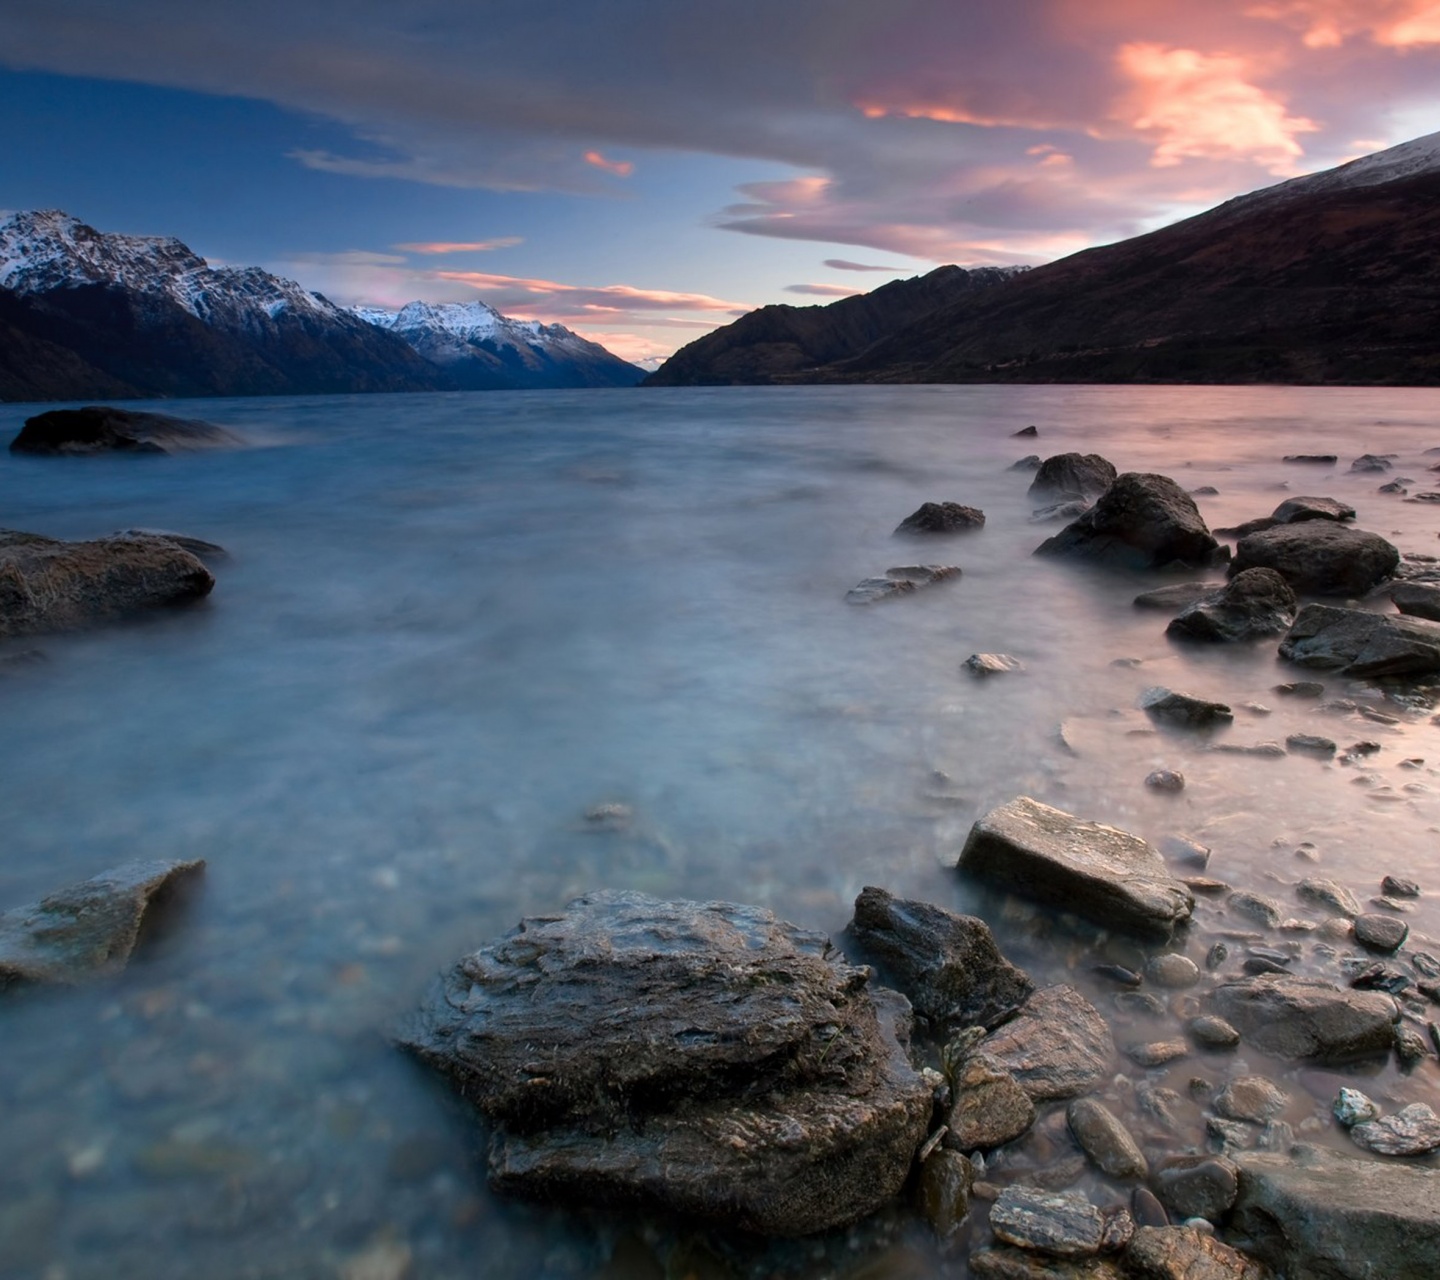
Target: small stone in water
992 664
1188 852
1202 1187
1311 744
1352 1107
1064 1224
1118 973
1413 1131
1410 1045
1173 971
1157 1053
1426 964
1213 1032
945 1181
1251 1098
1257 907
1380 933
1329 894
1168 780
1141 1002
1216 956
1146 1209
1257 965
1300 689
1395 887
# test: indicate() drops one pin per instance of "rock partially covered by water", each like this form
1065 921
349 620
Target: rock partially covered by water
1142 521
1179 595
946 964
1319 557
1105 1140
1198 1186
103 429
1324 1215
1255 603
1305 1018
87 929
701 1058
942 517
1362 644
1107 875
991 1107
1417 599
900 580
49 585
1183 1253
1057 1046
1083 475
1411 1131
1062 1223
1298 510
1184 709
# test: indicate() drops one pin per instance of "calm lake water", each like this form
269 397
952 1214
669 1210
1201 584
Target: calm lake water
452 625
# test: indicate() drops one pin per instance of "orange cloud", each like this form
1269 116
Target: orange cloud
619 297
620 168
1204 105
1327 24
455 246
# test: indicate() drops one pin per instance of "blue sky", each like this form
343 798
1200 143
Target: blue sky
644 170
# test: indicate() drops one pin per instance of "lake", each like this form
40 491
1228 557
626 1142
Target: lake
453 626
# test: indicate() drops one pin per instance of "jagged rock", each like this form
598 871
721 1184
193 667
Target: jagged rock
1417 600
1180 595
946 964
1362 644
1299 509
1252 1098
942 517
1142 521
1030 462
1198 1186
992 664
1398 887
49 585
1056 511
1057 1046
1107 875
702 1058
1063 1223
102 429
1305 1018
1330 895
1368 462
1083 475
1183 708
1319 557
1313 458
899 581
87 929
1024 433
1352 1107
990 1108
1323 1215
1380 932
1255 603
1184 1253
1105 1140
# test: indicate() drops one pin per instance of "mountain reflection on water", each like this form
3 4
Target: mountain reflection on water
453 625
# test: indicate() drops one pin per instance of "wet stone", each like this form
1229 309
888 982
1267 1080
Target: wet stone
1057 1046
1396 887
1146 1209
1300 689
1304 1018
1105 1140
990 1107
1411 1045
1067 1225
1256 965
1256 906
1004 1262
1173 971
942 517
992 664
1187 852
1380 932
1252 1098
1216 956
1157 1053
1311 744
1143 1003
1167 780
945 1181
1197 1186
1412 1131
1352 1107
1330 895
901 580
1184 709
1212 1032
1187 1253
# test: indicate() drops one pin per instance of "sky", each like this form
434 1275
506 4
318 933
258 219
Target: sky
643 171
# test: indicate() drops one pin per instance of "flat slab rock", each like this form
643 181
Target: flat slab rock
50 585
1057 1046
1102 873
1057 1222
1315 1213
1362 644
87 929
1183 1253
103 429
700 1058
901 580
1411 1131
946 964
1308 1019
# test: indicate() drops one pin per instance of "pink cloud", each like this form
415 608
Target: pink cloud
622 297
455 246
620 168
842 264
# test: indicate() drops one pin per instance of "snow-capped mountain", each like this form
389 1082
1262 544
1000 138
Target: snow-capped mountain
1407 160
479 348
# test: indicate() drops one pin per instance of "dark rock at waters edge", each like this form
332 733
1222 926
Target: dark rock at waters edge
1322 459
1252 604
1366 645
1105 1140
49 585
1319 557
1308 1019
992 664
1057 1046
1080 475
901 580
942 517
1142 521
990 1106
1315 1213
1062 1223
1180 595
1369 462
1417 600
197 547
1007 1262
1030 462
102 429
1299 509
946 964
1025 433
1102 873
1198 1186
87 929
1067 510
701 1058
1184 709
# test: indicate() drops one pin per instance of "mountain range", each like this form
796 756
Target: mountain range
85 314
1333 278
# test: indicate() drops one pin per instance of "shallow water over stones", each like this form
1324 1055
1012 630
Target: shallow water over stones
452 627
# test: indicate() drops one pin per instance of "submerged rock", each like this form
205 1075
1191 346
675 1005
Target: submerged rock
1184 1253
1063 1223
1319 557
1255 603
1180 595
701 1058
49 585
1362 644
1184 708
1324 1215
1142 521
103 429
1198 1186
1105 1140
1057 1046
942 517
87 929
946 964
1307 1019
1411 1131
899 581
1107 875
1083 475
992 664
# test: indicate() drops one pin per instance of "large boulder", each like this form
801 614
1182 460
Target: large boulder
1313 1213
1081 475
49 585
1102 873
1417 599
1298 510
103 429
1142 521
1057 1046
87 929
1362 644
705 1059
1308 1019
1255 603
946 964
1319 557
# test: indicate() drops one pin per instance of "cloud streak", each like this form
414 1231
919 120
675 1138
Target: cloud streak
453 246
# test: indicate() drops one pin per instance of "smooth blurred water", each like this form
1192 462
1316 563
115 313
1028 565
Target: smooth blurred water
453 624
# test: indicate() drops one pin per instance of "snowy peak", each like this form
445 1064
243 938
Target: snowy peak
1407 160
